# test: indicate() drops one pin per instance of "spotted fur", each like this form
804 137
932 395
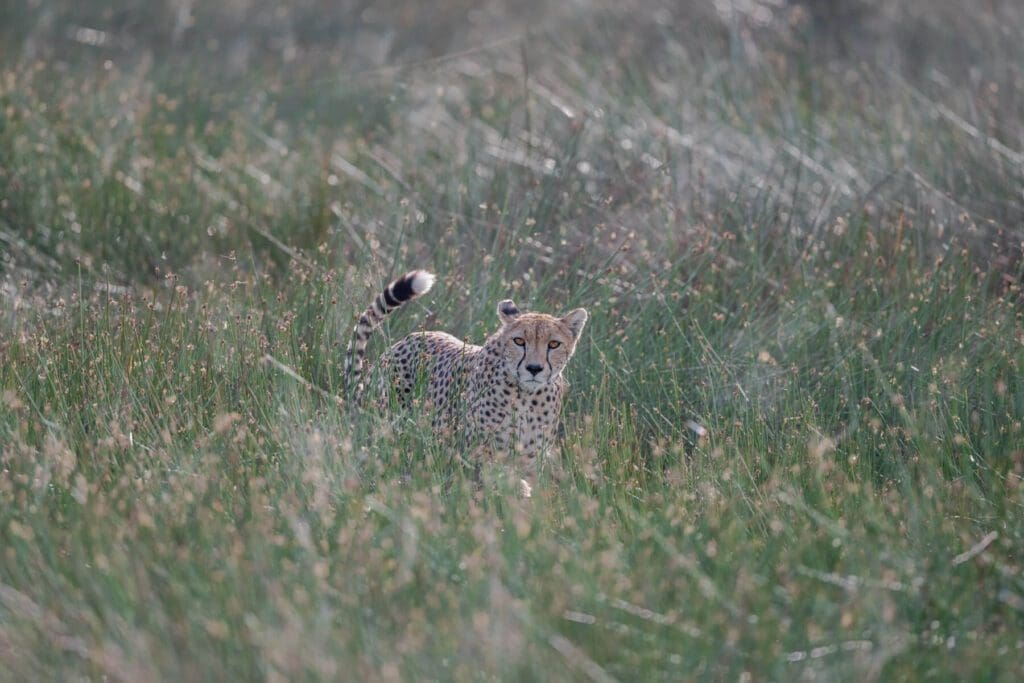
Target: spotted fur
506 394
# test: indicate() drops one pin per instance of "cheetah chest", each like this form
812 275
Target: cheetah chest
501 411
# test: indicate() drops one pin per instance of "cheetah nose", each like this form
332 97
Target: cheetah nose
534 368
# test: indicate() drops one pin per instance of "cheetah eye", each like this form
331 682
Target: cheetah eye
554 344
518 341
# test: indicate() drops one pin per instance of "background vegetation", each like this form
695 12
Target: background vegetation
797 224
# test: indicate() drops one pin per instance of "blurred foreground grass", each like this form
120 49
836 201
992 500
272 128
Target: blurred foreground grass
798 224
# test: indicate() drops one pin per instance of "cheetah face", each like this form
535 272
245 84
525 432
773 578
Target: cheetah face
536 347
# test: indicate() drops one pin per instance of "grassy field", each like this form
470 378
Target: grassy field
796 224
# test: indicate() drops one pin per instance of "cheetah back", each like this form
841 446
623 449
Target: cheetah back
436 358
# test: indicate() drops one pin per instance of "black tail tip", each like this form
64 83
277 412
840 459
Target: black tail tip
411 285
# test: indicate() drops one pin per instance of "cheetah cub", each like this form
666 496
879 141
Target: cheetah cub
506 394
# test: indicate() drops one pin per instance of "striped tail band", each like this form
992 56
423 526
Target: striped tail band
402 290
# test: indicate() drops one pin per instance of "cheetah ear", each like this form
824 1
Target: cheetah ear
575 320
508 311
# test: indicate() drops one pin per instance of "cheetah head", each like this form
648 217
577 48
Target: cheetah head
536 347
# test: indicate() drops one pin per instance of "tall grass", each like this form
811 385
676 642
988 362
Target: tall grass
797 231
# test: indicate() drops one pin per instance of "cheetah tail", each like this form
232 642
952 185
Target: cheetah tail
405 288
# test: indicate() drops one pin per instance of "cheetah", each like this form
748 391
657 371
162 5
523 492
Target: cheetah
506 394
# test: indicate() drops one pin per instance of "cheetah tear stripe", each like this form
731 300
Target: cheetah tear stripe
406 288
